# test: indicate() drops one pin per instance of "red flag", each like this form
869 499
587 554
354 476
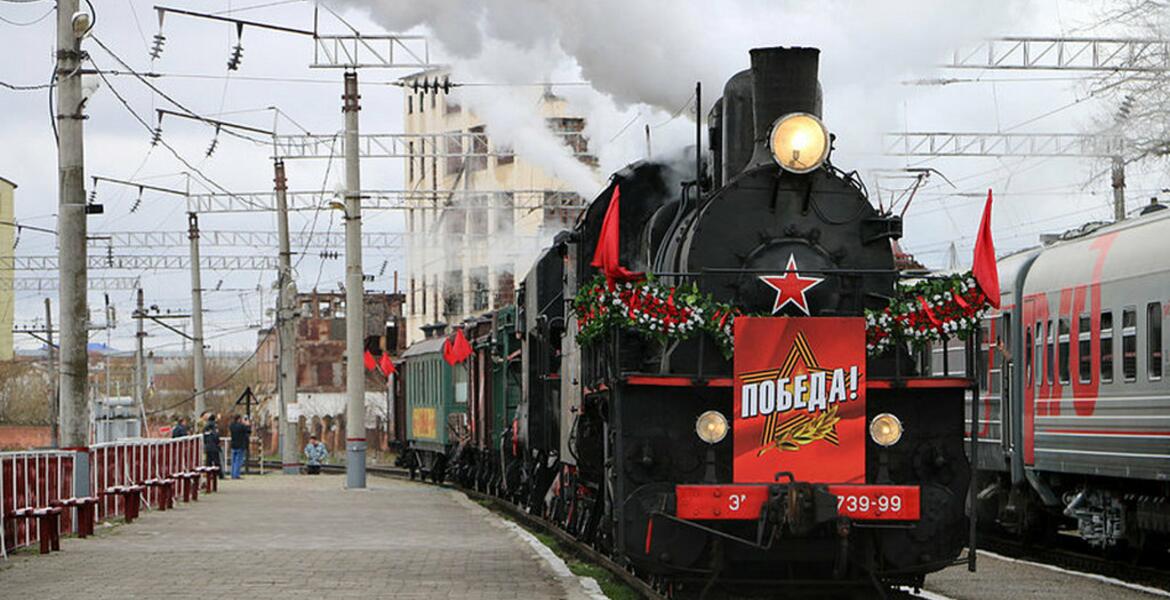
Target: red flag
457 349
984 268
607 255
369 360
387 364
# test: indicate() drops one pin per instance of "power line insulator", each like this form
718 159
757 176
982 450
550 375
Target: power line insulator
156 135
157 47
446 85
233 63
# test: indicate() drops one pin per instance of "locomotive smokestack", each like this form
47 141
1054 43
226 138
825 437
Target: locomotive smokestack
784 80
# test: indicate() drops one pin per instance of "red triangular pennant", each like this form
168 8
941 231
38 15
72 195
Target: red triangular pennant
607 255
369 361
456 349
984 268
386 364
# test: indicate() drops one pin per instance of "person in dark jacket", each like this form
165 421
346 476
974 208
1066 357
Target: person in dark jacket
180 429
240 429
211 443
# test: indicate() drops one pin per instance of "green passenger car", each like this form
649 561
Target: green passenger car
436 407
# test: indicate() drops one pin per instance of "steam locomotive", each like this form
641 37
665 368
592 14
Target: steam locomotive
708 447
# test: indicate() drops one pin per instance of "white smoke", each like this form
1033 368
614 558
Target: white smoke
641 59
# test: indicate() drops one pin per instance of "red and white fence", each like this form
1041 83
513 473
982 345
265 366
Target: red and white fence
33 478
130 462
38 478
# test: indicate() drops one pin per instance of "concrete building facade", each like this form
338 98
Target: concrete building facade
477 214
7 241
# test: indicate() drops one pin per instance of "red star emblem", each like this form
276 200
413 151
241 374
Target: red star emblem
791 287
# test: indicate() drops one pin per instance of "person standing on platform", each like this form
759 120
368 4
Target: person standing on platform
211 443
241 430
315 453
180 429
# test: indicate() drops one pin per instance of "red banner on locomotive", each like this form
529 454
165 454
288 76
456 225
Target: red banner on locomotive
799 399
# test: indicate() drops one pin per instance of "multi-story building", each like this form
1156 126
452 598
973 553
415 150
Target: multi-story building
320 352
7 241
477 214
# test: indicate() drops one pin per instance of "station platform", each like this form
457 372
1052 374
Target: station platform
275 536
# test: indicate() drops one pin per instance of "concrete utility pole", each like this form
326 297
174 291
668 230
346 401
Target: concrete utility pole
55 399
71 226
140 356
286 333
355 314
1118 172
196 314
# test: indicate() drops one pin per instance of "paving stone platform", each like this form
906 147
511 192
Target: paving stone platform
277 536
1001 578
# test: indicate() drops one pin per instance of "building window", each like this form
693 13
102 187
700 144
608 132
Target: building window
477 161
1129 344
1154 340
504 154
505 286
410 104
1107 347
560 209
453 293
1063 348
505 216
454 152
480 294
410 161
434 99
1084 350
477 215
421 106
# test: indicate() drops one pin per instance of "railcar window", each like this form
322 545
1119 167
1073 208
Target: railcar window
1084 349
1154 340
1050 359
459 380
1064 349
1028 353
1129 344
1107 347
1039 353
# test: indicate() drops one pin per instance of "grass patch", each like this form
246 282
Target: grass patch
614 588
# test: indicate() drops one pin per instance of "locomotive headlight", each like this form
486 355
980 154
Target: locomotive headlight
885 429
711 427
799 142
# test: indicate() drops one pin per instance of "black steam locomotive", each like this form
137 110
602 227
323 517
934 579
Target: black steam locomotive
694 442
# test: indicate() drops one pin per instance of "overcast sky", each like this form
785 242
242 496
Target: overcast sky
640 59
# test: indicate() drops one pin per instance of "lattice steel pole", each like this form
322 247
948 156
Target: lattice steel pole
355 376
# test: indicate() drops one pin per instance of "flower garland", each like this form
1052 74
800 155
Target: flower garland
924 312
927 311
660 312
